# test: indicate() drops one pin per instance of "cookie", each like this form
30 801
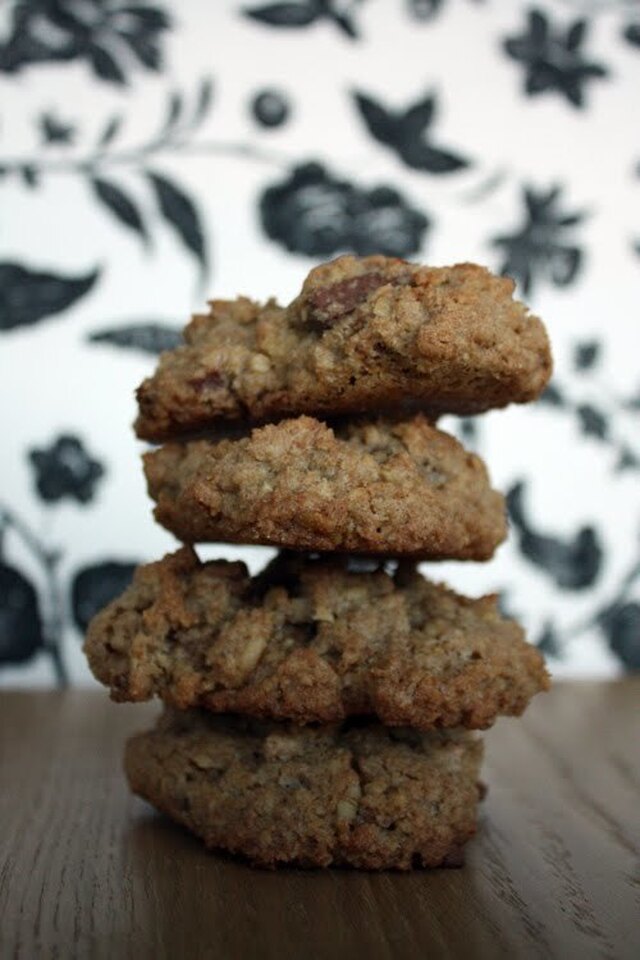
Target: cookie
360 794
364 335
312 640
374 487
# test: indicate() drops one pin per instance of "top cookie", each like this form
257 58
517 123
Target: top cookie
365 334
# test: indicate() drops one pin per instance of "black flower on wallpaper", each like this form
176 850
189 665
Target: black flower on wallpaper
408 133
553 58
316 214
56 132
110 35
572 564
303 13
27 296
65 470
540 249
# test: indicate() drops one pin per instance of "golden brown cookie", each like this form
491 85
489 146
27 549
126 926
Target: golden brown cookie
361 795
374 487
364 335
312 641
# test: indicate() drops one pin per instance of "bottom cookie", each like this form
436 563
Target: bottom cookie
357 794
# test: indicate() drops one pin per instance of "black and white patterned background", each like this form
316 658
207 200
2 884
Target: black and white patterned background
156 153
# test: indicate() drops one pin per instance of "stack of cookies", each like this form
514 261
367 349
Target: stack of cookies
324 711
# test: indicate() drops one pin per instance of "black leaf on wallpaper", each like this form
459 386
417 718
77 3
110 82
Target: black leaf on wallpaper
553 59
313 213
620 624
586 355
627 460
141 38
303 14
21 630
120 205
27 296
56 131
504 604
407 133
204 101
633 402
285 14
631 34
572 564
30 175
270 108
538 249
469 431
593 423
65 469
181 214
175 105
104 64
179 118
425 9
552 396
95 586
109 132
548 642
151 337
108 36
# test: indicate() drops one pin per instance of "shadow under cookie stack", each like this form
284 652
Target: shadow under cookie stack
324 711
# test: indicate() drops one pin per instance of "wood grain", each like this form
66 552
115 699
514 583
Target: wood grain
88 871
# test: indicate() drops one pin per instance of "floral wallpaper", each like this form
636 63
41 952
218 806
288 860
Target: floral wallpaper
156 154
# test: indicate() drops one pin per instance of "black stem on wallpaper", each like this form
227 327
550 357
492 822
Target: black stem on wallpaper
49 559
136 156
55 621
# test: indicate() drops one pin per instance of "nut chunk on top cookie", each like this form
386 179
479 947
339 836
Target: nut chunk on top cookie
364 335
374 487
312 641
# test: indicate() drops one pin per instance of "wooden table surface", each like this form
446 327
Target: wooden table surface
88 871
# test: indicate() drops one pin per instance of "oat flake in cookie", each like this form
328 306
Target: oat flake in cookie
358 795
364 335
364 486
312 641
